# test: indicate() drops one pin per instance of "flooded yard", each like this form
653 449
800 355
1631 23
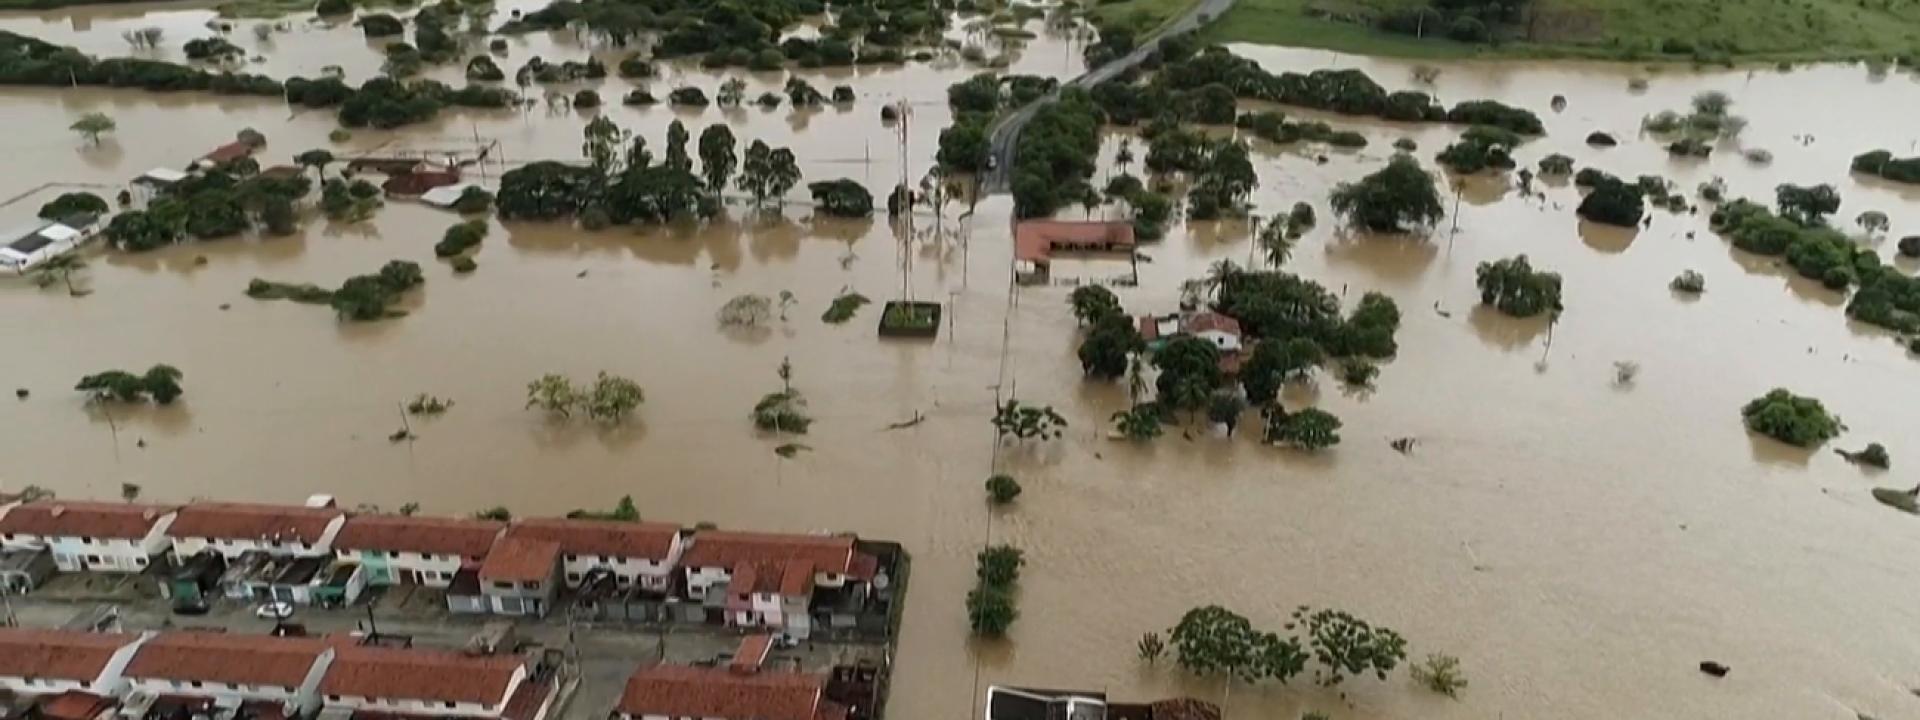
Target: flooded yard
1580 544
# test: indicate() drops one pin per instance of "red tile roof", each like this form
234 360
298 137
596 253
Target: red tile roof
714 548
68 518
1202 322
796 578
419 181
1035 240
516 559
228 152
190 656
57 654
434 535
753 651
244 521
415 674
74 705
651 541
678 691
526 700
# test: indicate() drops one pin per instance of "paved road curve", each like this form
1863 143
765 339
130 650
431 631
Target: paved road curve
1007 130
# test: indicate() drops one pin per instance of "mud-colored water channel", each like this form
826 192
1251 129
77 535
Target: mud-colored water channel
1580 545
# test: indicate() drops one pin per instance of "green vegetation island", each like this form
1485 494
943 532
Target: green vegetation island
1716 31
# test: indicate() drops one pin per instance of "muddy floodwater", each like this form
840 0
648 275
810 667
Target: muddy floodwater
1581 545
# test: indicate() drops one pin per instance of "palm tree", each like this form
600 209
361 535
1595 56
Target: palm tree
1220 272
59 268
1275 243
1124 158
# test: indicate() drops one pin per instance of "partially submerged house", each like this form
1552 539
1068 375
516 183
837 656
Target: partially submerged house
31 246
446 195
417 181
1221 330
85 536
152 183
1035 242
224 154
232 529
766 580
1011 703
412 550
634 555
46 662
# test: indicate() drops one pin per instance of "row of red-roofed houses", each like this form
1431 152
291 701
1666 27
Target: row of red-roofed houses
78 675
249 551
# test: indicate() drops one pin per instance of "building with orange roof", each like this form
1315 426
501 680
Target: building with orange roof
233 529
418 682
90 536
673 692
767 580
47 662
521 576
633 554
229 669
415 550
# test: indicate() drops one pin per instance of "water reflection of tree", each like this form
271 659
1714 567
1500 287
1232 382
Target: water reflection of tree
1507 333
1610 239
1768 451
1401 258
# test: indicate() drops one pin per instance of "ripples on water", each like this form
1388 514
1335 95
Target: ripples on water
1581 546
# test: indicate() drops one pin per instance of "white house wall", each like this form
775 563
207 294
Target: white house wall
430 707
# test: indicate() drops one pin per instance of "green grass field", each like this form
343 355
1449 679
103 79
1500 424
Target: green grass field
1607 29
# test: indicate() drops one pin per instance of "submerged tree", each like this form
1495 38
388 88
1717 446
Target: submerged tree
92 125
1346 645
1391 199
783 411
1513 286
1025 422
1790 418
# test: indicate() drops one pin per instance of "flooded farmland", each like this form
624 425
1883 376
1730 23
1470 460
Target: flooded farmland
1579 544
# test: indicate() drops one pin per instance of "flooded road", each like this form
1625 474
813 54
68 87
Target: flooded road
1581 546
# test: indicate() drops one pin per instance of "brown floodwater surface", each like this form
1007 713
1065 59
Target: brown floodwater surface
1579 544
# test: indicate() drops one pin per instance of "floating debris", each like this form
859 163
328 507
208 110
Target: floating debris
790 449
1713 668
1404 445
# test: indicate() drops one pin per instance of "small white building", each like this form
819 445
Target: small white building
635 554
403 550
90 536
232 529
28 247
233 669
153 182
408 682
46 662
445 195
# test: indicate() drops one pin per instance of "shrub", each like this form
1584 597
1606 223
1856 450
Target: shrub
1441 674
1689 282
1790 418
1513 287
586 99
689 96
460 238
1002 489
1611 200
